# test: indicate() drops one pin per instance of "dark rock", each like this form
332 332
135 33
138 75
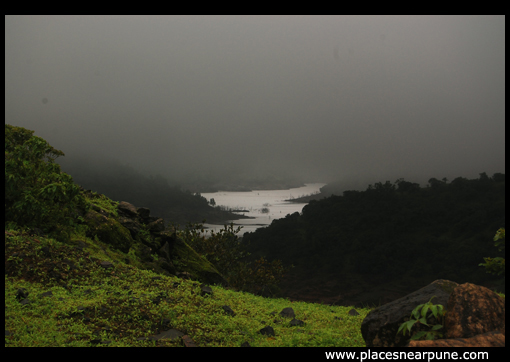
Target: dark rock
143 212
268 330
205 290
171 334
474 310
127 209
296 322
228 310
164 252
25 301
106 264
353 312
165 237
131 224
287 313
157 226
489 339
21 294
188 342
245 344
46 294
380 326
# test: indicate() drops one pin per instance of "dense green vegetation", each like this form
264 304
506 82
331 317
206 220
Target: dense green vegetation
496 265
37 193
397 233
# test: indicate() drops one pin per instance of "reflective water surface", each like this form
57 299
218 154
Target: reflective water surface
263 206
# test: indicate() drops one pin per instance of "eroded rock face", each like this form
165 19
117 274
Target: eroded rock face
380 326
489 339
474 310
108 230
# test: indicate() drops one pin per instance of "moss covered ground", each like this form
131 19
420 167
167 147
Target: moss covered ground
60 294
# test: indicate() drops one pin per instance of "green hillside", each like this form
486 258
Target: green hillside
84 270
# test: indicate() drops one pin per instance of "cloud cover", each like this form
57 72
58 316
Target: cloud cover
317 97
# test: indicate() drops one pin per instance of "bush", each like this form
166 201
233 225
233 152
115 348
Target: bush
496 265
37 193
228 255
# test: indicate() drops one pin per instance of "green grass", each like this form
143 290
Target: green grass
122 306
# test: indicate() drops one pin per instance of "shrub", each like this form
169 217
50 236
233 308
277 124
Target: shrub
496 265
420 314
228 255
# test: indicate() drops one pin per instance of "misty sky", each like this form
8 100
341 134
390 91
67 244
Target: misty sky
320 97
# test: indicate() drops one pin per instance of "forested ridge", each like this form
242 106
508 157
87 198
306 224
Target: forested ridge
122 182
392 233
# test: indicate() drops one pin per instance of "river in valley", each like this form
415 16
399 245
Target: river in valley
263 206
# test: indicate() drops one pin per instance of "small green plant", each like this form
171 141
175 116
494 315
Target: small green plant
420 316
496 265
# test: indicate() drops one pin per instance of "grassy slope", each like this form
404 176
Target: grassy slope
91 305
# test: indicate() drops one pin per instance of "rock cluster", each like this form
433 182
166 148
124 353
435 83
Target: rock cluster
134 229
475 316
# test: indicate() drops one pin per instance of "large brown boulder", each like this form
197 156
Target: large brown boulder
474 310
489 339
475 318
380 326
126 209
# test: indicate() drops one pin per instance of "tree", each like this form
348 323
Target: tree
37 193
224 250
212 202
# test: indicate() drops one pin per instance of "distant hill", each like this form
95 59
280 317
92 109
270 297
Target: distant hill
377 245
121 182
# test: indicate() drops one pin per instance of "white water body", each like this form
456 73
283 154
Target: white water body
263 205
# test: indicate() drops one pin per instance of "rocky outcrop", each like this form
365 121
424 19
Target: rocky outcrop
475 318
132 229
108 230
474 310
380 326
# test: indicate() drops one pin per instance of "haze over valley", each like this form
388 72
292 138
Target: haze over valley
252 100
364 155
